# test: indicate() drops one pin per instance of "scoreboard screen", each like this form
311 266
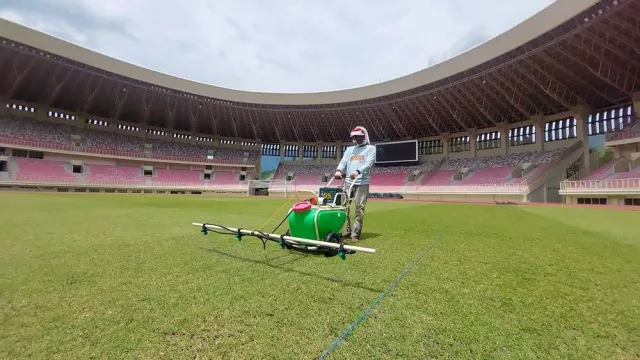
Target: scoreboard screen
397 152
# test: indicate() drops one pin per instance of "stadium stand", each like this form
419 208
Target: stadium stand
508 120
45 135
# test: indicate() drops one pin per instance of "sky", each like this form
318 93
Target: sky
288 46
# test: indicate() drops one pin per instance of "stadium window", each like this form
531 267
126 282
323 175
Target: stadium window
430 147
21 107
609 120
459 144
128 127
561 129
97 122
271 149
329 152
292 151
60 115
309 151
524 135
592 201
488 141
343 149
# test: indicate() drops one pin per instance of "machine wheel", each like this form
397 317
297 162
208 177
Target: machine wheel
286 245
332 238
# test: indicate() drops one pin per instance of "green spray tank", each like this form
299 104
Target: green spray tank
315 222
322 218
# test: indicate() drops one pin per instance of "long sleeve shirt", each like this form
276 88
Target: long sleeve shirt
356 158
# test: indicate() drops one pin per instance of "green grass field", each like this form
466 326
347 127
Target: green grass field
128 277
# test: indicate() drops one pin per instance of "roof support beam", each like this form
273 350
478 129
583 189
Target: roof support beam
395 122
193 115
456 116
276 125
234 125
171 104
412 124
51 84
514 99
422 128
257 133
53 96
375 126
214 121
120 102
90 96
527 75
518 97
625 25
623 80
327 123
19 77
466 94
430 118
485 106
576 78
486 90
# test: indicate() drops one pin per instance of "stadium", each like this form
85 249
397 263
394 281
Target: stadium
105 165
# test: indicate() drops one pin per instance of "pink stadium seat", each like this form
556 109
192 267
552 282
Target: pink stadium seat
438 178
603 171
177 175
633 174
225 178
112 174
47 171
496 175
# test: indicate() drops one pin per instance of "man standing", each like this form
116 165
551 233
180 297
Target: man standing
357 161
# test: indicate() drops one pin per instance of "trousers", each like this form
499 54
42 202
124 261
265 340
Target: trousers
359 194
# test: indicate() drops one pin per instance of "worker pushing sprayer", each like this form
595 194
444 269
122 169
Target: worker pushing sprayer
355 167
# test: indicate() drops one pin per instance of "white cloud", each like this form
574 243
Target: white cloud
276 45
56 27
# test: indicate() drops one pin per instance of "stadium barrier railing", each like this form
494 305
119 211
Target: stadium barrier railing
607 184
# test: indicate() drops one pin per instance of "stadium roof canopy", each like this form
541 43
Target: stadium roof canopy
574 52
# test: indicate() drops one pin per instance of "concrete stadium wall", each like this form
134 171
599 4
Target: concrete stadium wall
613 200
464 197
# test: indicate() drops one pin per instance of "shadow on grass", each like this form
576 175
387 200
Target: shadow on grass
367 236
287 270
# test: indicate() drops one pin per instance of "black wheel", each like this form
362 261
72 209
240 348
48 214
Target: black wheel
288 233
332 238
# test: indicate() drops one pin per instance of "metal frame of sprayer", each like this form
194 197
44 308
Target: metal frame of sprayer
294 243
